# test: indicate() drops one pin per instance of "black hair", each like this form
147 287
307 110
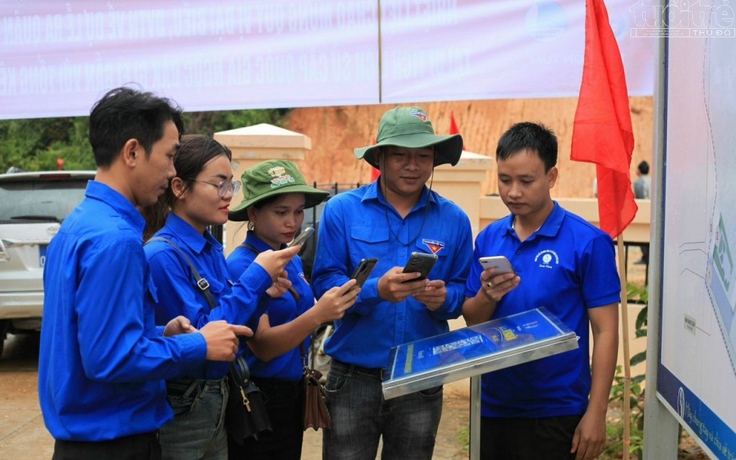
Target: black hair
643 167
125 113
193 153
529 136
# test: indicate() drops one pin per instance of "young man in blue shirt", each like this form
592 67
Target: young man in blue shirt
103 362
389 219
550 408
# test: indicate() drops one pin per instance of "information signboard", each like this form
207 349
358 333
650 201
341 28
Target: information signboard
475 350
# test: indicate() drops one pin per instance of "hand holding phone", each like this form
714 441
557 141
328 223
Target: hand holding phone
302 238
500 264
421 262
364 269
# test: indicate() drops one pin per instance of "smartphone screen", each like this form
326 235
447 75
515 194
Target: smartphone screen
364 269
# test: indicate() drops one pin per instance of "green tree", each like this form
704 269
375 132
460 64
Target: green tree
37 144
212 122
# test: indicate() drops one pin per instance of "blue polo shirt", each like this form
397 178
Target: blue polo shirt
103 362
281 310
174 291
567 266
361 223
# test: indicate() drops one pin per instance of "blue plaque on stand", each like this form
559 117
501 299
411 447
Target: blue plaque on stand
475 350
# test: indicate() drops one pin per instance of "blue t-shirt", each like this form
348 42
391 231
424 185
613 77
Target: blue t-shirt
103 362
360 224
567 266
281 310
174 292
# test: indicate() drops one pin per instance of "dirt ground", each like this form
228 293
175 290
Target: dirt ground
23 435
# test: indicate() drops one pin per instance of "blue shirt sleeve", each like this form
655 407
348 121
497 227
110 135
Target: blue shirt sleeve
177 293
330 267
453 306
119 345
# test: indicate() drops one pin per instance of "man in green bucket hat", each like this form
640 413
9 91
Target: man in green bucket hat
390 219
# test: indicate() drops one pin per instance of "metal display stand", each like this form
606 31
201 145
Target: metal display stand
475 350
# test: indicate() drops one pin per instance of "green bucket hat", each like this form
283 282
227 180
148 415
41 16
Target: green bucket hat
410 127
271 178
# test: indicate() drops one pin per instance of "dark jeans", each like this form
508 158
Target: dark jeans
527 438
137 447
198 429
284 402
360 417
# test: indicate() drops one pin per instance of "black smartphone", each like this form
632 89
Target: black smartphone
364 269
421 262
302 238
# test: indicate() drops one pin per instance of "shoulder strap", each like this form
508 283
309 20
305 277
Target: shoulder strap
249 246
202 283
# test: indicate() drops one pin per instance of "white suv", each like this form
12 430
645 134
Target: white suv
32 207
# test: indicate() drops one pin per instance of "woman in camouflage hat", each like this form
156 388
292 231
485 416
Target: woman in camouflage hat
275 196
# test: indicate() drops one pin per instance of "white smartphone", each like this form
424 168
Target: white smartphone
500 263
303 236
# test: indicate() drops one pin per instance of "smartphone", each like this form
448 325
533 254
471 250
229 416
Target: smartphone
365 267
302 238
421 262
500 263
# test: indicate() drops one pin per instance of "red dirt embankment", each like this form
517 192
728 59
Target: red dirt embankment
336 131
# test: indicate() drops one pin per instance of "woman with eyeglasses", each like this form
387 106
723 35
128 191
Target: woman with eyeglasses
199 196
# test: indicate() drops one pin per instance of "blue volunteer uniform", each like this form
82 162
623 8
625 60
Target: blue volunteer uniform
354 226
103 362
567 266
174 292
281 310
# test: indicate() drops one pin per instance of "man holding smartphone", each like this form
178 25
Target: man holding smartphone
551 408
389 219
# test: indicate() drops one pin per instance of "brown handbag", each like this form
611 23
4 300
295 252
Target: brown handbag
315 407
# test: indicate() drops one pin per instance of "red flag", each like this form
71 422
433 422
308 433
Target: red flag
602 131
453 125
375 173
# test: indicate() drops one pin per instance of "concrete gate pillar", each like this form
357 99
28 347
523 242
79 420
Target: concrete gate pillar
462 184
252 145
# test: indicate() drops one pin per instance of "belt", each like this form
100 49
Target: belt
188 387
378 372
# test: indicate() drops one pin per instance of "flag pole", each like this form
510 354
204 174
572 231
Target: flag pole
625 338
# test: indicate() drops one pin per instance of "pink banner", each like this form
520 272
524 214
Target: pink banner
57 58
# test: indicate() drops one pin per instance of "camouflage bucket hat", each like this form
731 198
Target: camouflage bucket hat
410 127
271 178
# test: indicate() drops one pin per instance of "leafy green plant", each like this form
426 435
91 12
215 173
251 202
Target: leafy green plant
463 438
615 428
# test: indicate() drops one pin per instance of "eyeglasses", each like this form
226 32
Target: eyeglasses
224 187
